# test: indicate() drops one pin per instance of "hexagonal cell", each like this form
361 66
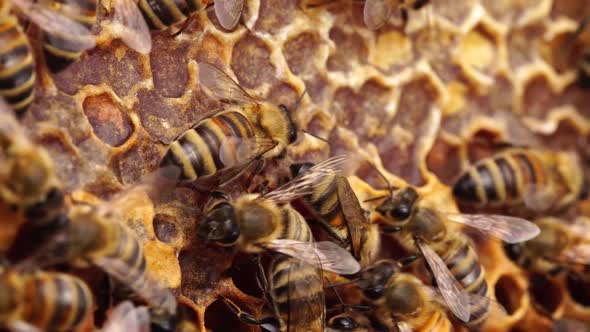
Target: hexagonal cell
539 97
351 49
218 318
479 50
301 50
520 51
509 293
250 62
108 120
275 14
546 294
166 229
444 161
169 67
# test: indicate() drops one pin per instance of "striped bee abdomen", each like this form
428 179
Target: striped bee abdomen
502 180
160 14
464 265
294 226
60 52
56 302
293 283
17 72
197 151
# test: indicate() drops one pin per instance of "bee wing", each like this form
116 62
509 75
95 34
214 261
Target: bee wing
20 326
377 12
130 26
309 288
155 294
538 199
452 292
304 183
570 325
228 12
236 151
508 229
155 184
476 302
353 213
126 317
222 86
57 24
579 253
403 327
325 254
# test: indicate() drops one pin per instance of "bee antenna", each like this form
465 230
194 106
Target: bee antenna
390 188
335 291
315 136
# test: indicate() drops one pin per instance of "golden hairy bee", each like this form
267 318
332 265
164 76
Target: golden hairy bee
378 12
535 179
334 206
47 301
560 246
232 137
450 256
267 223
97 235
28 179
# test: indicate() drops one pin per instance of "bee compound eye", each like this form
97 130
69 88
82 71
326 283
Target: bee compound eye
344 323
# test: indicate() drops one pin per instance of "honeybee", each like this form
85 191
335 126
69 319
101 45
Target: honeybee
43 301
232 137
97 235
28 179
450 255
18 64
162 14
256 223
126 317
541 180
334 205
378 12
560 245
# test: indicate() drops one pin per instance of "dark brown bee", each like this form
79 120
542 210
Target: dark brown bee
539 180
232 137
17 74
334 205
47 301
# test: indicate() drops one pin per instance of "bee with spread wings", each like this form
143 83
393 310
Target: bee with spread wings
97 235
450 255
228 140
378 12
66 27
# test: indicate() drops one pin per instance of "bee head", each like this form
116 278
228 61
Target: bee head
220 225
399 207
374 279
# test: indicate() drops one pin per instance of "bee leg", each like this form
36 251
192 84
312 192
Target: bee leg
408 260
390 229
184 26
266 324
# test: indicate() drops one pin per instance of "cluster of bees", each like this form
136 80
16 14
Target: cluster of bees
237 141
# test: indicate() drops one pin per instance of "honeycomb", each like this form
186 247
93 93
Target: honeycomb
415 103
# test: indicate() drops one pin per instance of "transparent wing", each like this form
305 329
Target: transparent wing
353 214
452 292
330 256
155 185
579 253
508 229
235 151
539 199
228 12
222 86
156 295
403 327
377 12
77 35
304 183
130 26
125 317
476 302
308 315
